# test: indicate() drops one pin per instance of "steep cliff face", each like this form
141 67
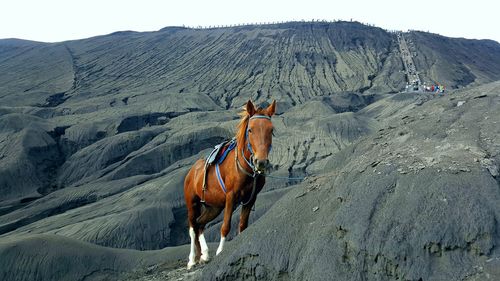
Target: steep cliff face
292 62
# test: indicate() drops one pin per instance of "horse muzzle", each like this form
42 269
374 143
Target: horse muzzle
261 165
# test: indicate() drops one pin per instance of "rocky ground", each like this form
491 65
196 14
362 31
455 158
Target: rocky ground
418 200
423 206
176 271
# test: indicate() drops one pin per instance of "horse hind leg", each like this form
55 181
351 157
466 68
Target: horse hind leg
208 214
204 248
193 213
192 254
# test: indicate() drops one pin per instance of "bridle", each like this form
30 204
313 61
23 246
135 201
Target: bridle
249 147
249 161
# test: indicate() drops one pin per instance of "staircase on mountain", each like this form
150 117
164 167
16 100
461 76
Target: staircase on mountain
414 81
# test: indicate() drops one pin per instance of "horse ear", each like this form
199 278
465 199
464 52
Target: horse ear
271 109
250 108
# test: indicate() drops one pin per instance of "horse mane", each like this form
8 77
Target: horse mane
241 129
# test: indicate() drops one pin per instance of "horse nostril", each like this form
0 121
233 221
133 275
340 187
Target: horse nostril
262 164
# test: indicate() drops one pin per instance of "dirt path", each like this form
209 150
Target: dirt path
168 271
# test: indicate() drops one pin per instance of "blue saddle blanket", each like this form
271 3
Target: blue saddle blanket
220 151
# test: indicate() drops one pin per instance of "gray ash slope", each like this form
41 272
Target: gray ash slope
96 136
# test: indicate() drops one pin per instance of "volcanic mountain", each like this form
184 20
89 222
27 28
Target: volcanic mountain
96 136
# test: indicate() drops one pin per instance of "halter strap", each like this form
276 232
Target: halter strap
248 161
260 116
240 167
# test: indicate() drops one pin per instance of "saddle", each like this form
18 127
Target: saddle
217 156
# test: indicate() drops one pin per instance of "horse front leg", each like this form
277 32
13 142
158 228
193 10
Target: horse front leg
244 215
226 225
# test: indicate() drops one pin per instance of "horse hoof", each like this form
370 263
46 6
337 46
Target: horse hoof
190 265
204 258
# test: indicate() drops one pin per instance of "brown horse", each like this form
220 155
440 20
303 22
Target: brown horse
238 179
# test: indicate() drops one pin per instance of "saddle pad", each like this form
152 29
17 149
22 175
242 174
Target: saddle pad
220 151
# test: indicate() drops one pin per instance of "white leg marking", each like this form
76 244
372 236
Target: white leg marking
192 254
204 248
221 245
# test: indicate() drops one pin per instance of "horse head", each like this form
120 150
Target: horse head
259 134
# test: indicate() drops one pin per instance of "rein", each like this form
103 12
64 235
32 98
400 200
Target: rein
254 176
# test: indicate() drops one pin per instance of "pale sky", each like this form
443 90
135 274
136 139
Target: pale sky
59 20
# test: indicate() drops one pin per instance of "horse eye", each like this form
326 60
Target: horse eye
249 131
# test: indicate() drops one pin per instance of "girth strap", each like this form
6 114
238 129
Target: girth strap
221 181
